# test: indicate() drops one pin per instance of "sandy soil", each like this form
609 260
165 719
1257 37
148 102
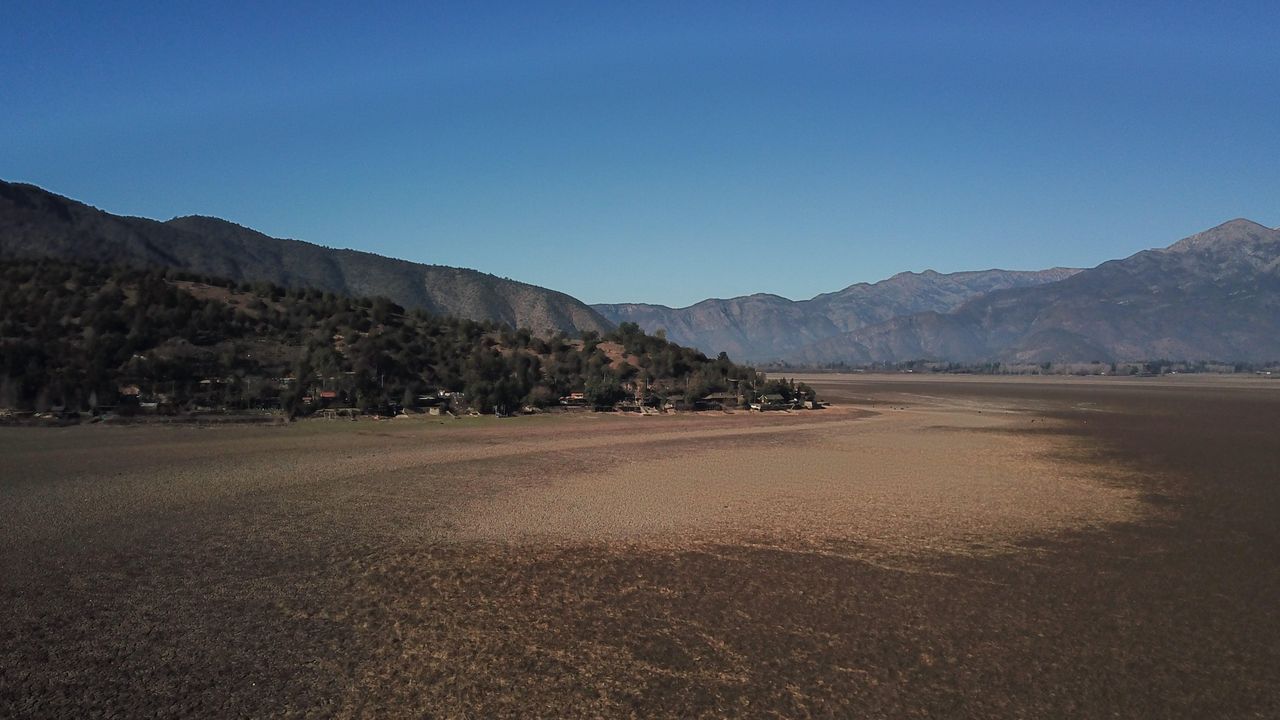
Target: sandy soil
934 477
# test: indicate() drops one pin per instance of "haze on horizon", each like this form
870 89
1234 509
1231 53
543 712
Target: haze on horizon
661 154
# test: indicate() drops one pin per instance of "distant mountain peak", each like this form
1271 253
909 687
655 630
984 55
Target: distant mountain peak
1242 222
1233 233
908 274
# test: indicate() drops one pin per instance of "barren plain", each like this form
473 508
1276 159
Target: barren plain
945 547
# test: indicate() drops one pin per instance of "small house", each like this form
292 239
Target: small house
770 402
716 401
574 398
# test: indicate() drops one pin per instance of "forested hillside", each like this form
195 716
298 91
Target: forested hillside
84 336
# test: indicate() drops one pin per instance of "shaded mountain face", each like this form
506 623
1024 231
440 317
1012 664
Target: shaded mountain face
1214 295
37 223
768 327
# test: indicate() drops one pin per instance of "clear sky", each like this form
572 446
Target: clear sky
660 152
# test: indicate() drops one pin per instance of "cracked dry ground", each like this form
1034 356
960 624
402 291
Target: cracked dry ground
944 549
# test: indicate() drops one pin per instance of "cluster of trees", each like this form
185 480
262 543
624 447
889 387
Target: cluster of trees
82 336
789 390
68 332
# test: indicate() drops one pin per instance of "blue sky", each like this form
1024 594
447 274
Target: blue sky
661 152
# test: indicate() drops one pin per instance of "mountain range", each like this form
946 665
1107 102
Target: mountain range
38 223
1214 295
768 327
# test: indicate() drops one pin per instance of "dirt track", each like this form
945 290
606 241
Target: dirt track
953 548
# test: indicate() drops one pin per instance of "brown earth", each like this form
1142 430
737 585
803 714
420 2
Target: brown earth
960 547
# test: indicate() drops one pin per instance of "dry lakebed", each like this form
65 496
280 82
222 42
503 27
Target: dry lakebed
927 547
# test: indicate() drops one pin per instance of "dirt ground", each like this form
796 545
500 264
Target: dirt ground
944 547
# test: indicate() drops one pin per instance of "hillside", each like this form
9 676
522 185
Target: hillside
767 327
84 336
37 223
1214 295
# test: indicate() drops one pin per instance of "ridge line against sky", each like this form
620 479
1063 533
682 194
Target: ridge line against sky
661 154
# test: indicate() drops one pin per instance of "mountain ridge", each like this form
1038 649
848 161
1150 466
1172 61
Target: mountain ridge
35 222
1214 294
764 326
1211 295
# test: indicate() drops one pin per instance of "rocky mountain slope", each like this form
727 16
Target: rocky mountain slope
37 223
1214 295
767 327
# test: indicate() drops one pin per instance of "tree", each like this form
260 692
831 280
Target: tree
602 389
291 398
